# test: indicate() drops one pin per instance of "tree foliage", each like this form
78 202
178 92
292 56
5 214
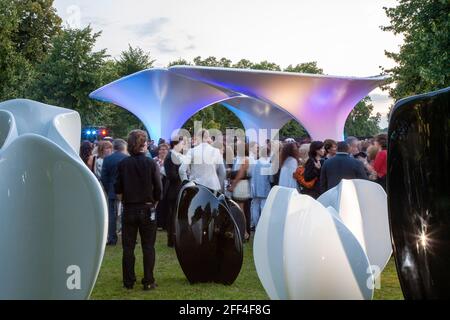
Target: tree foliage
15 70
129 62
212 62
179 62
38 24
70 72
361 122
243 64
307 67
266 65
133 60
423 60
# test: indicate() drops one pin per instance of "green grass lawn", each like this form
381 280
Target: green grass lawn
174 285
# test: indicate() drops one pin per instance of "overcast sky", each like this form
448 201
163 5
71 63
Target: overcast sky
343 36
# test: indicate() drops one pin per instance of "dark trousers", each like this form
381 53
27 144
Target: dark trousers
112 221
161 214
171 212
382 182
248 215
138 219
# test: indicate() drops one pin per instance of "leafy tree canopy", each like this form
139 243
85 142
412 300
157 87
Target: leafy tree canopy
133 60
361 122
71 71
423 60
38 24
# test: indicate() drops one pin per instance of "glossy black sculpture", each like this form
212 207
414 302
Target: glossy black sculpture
208 239
418 187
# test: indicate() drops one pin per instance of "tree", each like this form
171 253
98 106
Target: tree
307 67
70 72
38 25
361 123
133 60
179 62
215 117
423 60
265 65
243 64
212 62
292 129
16 71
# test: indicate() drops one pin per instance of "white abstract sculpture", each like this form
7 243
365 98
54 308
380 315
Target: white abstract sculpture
303 249
362 206
53 214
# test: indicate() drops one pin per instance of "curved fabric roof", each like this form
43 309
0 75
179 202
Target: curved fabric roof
164 99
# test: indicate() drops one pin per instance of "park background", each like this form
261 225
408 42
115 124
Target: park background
50 52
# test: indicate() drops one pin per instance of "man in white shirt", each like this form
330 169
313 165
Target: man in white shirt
204 164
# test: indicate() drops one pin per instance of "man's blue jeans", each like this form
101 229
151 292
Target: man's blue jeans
112 220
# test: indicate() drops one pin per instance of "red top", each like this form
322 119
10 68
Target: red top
380 164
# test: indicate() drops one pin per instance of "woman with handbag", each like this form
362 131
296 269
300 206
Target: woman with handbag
312 169
240 183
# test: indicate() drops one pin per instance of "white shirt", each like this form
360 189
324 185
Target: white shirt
205 166
179 158
98 167
286 173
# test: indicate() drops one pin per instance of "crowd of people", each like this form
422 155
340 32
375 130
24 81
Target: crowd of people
142 180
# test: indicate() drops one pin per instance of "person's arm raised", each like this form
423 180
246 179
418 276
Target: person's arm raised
183 170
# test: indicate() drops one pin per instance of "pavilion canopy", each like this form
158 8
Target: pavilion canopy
164 99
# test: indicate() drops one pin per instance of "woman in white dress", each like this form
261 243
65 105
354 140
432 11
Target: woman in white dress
290 156
240 184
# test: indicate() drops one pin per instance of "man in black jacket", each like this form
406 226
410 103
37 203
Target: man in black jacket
138 185
342 166
108 178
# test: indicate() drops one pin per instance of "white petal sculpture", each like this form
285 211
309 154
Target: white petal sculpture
53 214
303 250
362 207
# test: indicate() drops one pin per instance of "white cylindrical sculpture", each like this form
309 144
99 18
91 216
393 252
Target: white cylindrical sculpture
53 214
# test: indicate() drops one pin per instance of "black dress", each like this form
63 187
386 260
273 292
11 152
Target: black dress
173 183
311 172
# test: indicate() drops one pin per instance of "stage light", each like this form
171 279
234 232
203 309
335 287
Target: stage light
104 133
88 132
94 132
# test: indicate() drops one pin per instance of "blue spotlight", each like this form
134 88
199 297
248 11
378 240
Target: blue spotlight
88 132
94 132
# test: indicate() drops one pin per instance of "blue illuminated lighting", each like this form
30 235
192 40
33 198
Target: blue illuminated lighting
94 132
88 132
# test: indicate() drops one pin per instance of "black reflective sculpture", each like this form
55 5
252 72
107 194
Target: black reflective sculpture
208 238
418 186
